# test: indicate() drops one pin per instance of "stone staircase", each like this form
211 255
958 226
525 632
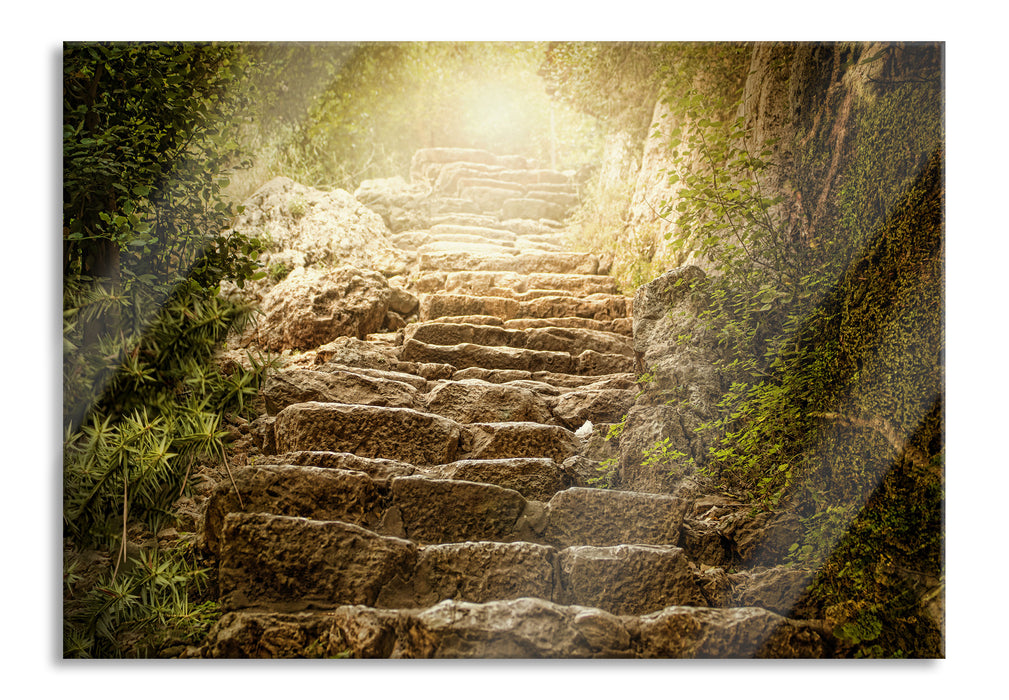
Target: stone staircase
427 492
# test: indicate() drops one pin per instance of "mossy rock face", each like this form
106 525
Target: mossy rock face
876 478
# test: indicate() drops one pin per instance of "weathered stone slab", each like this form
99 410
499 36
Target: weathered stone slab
482 282
440 333
466 355
575 407
284 388
536 478
471 320
778 589
525 263
626 579
297 491
574 339
565 200
533 176
376 468
416 381
275 635
496 376
434 306
592 363
601 307
295 563
477 572
476 401
512 207
505 440
582 285
562 263
474 247
434 511
581 516
490 199
726 633
483 232
574 380
520 628
402 434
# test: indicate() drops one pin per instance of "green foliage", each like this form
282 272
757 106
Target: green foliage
145 612
661 455
148 141
384 101
621 83
830 327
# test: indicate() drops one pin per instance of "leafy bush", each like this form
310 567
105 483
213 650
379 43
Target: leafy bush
832 339
146 246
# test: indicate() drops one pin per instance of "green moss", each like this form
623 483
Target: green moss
845 422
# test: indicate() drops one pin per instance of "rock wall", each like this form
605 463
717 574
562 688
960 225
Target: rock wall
856 135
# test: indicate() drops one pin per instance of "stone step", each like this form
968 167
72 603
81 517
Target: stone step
464 355
536 478
479 220
489 182
529 207
289 564
440 230
621 326
533 177
525 263
493 283
520 628
430 510
402 434
474 395
598 307
484 247
492 200
553 380
525 245
426 438
543 338
476 401
567 200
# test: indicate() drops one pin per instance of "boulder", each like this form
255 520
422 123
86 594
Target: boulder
312 307
674 346
324 228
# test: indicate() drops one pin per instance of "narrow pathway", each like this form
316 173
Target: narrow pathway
429 490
